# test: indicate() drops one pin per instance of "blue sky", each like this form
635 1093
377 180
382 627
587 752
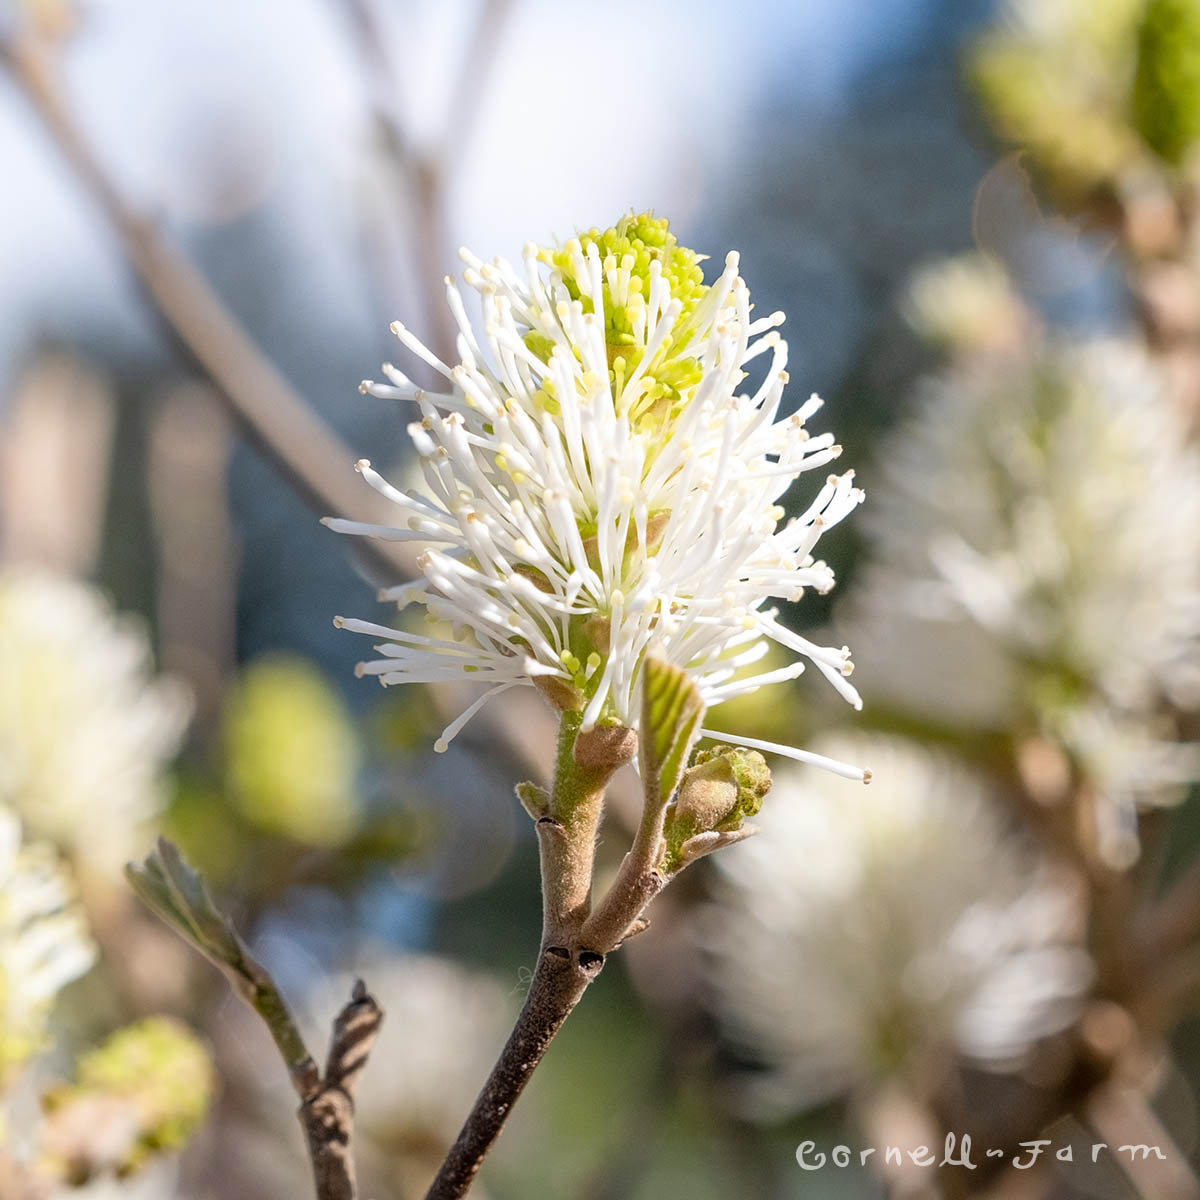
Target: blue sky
587 114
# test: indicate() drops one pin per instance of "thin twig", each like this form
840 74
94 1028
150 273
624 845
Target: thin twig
473 71
284 428
566 816
174 890
672 710
327 1111
559 980
575 942
1174 922
567 831
638 879
1143 1148
427 173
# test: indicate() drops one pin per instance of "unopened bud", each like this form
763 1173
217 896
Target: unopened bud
723 787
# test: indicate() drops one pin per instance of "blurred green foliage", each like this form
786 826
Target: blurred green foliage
1056 80
1095 92
1166 88
292 754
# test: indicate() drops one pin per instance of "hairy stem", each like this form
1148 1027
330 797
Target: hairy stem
265 999
638 879
566 819
567 838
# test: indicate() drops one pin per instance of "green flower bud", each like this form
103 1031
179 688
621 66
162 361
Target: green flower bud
724 786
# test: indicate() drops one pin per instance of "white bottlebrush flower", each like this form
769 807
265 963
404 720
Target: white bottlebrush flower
1035 544
44 942
85 728
597 487
873 927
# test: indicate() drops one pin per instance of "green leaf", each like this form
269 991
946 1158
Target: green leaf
671 714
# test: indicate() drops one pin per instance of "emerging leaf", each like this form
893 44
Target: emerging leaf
672 711
169 885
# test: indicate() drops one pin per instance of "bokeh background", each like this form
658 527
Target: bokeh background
982 223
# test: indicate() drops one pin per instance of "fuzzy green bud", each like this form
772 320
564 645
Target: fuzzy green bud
724 786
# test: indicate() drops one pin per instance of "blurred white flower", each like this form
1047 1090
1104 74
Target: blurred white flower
596 486
85 727
966 303
873 927
1132 762
1055 503
1036 549
44 941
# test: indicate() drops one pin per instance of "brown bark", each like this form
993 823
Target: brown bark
562 976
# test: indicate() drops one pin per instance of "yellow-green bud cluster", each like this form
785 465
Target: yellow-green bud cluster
627 251
1166 89
157 1068
1092 89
